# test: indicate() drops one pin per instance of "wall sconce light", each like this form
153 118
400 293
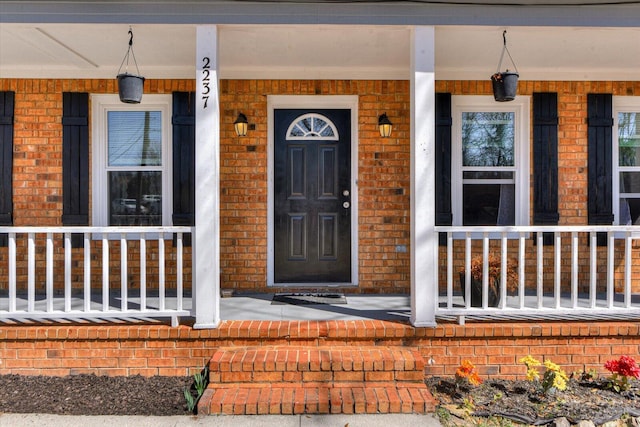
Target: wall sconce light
385 125
241 124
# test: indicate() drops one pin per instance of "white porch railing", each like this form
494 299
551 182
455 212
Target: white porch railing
48 278
569 277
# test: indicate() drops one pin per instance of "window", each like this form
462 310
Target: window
626 161
312 126
490 162
131 161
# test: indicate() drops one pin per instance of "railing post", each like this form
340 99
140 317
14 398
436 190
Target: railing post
424 239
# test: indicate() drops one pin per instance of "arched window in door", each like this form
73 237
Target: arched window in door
312 126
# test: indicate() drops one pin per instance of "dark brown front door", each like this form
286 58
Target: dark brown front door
312 197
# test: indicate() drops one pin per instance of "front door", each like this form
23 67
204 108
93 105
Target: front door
312 196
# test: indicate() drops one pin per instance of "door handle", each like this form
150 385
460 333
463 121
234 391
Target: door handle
346 205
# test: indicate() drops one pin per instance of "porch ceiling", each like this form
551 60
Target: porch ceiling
318 51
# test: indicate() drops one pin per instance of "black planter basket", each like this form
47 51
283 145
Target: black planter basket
505 86
505 83
130 88
493 296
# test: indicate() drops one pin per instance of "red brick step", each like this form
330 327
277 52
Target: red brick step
316 380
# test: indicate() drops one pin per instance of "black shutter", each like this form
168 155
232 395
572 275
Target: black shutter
545 161
75 158
184 141
7 102
443 162
600 145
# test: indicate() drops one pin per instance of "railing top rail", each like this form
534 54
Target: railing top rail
99 230
539 229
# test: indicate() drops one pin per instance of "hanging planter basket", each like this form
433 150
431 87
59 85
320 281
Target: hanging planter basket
505 83
130 88
505 86
130 85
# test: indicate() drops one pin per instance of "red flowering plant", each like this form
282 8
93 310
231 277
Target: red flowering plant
622 370
467 372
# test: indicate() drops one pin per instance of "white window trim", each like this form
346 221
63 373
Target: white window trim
621 104
100 106
520 107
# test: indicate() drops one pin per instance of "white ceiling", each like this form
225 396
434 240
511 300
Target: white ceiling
318 51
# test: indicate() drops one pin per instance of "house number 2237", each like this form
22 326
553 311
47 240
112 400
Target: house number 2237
206 71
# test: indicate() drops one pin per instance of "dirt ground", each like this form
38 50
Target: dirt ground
517 400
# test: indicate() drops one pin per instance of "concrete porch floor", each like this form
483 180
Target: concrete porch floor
358 307
238 307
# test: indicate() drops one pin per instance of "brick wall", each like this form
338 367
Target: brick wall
383 177
38 178
383 181
161 350
572 174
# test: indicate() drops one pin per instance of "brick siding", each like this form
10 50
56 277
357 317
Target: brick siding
162 350
383 166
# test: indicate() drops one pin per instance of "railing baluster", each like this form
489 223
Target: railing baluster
557 259
161 272
467 270
12 273
521 265
49 272
179 272
485 270
539 270
610 268
628 267
105 272
574 268
593 269
31 273
503 270
123 272
143 273
67 272
87 272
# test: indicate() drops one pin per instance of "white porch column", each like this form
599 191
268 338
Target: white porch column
424 240
206 241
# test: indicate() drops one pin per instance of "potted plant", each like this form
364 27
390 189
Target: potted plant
130 86
505 83
493 288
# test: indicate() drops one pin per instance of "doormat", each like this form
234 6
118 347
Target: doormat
309 298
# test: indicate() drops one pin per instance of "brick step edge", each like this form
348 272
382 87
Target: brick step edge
317 359
276 400
326 377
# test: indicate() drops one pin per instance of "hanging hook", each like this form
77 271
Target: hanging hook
131 37
504 37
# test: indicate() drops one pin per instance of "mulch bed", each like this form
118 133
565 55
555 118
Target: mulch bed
522 401
94 395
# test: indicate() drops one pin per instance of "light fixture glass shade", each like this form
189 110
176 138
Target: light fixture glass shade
241 124
385 125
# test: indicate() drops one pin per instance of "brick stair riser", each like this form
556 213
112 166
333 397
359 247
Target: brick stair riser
318 400
316 380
